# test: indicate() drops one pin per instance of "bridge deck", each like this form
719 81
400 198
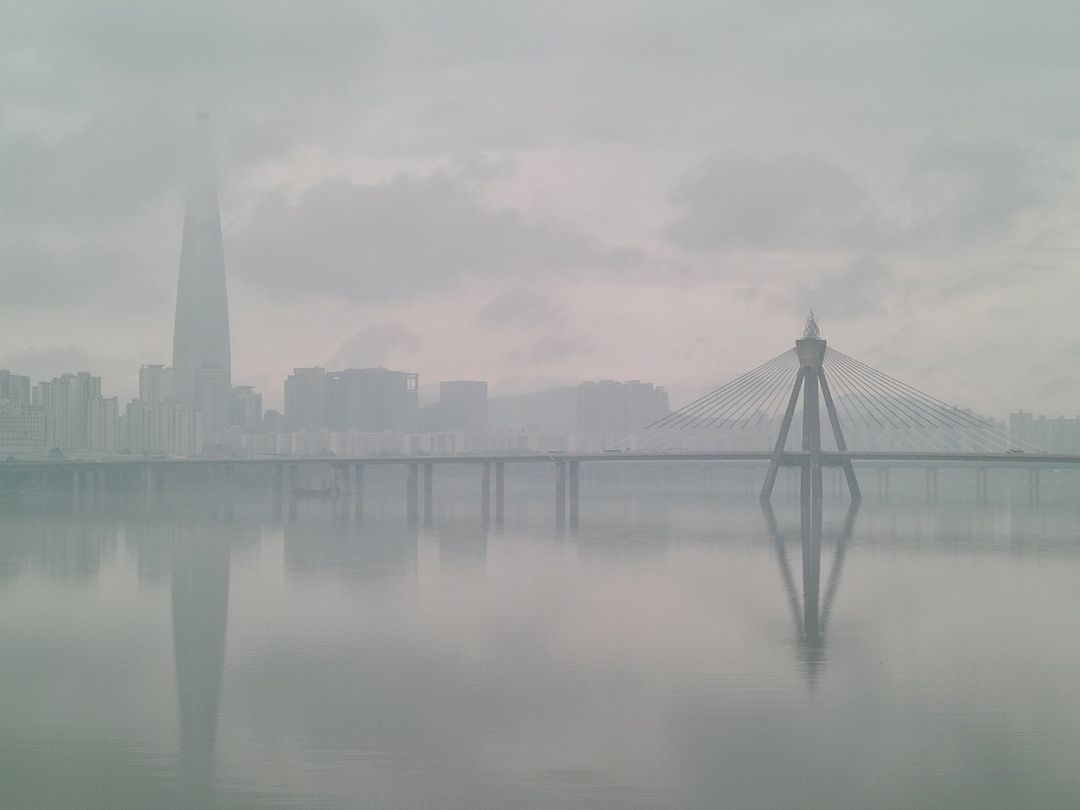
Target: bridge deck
795 458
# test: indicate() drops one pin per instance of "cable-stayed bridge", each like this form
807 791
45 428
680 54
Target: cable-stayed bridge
780 407
810 407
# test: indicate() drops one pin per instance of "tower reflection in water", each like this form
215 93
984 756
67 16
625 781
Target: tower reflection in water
200 614
811 613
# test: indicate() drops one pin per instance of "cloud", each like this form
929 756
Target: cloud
407 237
86 275
966 191
792 201
551 348
519 307
855 289
374 346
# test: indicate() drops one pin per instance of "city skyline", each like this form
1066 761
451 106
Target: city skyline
654 203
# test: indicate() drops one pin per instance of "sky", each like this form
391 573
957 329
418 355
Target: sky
538 193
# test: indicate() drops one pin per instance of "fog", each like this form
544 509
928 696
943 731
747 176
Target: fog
538 194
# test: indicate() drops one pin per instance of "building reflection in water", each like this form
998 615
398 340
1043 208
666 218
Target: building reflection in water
811 613
324 543
200 612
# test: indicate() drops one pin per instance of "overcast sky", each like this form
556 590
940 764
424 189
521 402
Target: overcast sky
545 192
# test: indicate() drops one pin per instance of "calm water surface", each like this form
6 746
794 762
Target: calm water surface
678 650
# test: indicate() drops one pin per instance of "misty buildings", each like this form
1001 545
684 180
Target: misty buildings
1056 435
370 400
619 407
463 405
305 399
155 384
15 388
246 411
156 424
22 428
201 369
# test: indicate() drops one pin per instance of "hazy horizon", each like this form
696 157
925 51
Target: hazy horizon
538 194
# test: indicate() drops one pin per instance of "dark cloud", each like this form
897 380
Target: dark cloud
374 346
858 288
112 166
551 348
793 201
88 275
408 237
969 190
519 307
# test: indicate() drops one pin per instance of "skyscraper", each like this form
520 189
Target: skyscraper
202 375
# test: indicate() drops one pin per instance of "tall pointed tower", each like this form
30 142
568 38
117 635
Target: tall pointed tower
201 357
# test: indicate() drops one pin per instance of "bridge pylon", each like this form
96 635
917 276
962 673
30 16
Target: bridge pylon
811 386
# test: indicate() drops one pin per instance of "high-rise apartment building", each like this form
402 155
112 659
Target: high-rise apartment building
305 399
103 425
372 400
66 402
155 384
246 412
22 428
619 407
15 388
201 352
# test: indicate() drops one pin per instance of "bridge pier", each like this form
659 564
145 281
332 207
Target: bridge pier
982 484
412 487
574 493
294 482
500 491
485 492
812 384
76 489
276 494
339 481
429 494
358 492
229 490
149 485
560 494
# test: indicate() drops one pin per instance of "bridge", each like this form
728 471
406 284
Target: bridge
870 419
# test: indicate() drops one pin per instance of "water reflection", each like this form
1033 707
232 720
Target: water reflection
812 614
200 616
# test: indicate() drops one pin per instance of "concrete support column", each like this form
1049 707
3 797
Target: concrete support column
500 491
575 493
349 492
485 492
229 489
341 494
149 485
429 494
982 484
358 492
412 491
560 494
275 491
294 482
